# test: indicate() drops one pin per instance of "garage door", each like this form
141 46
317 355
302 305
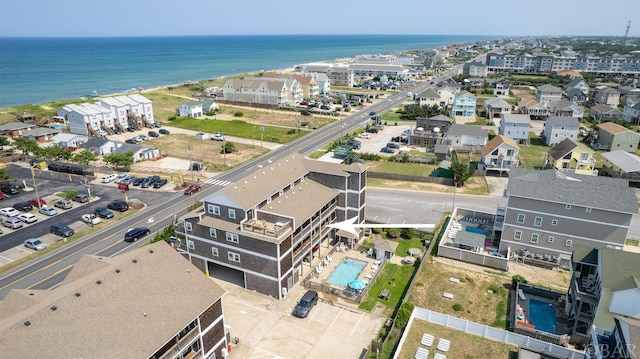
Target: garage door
226 274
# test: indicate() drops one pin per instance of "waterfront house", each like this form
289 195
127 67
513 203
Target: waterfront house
41 134
263 231
496 107
119 111
310 89
622 164
609 136
604 284
499 154
557 128
464 104
578 84
566 108
572 157
86 118
146 303
547 94
515 127
601 112
549 212
16 129
501 87
264 91
466 136
190 109
606 95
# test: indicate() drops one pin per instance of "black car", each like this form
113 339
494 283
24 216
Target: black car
163 131
62 230
23 206
117 131
118 205
149 181
392 145
159 183
305 113
136 181
372 130
103 213
153 134
355 144
372 113
131 141
308 301
136 233
9 188
131 129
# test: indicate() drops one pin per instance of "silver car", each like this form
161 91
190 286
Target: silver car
35 243
49 211
12 223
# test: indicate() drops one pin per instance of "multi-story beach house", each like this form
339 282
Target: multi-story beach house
310 88
264 91
557 128
429 97
578 84
604 284
535 110
191 109
631 111
549 212
466 136
610 136
606 95
119 307
566 108
397 71
571 157
621 343
475 69
501 87
505 62
429 132
464 104
547 94
622 164
602 113
499 154
338 74
264 231
515 127
496 107
86 118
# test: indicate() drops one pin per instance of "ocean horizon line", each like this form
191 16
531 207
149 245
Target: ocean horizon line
484 36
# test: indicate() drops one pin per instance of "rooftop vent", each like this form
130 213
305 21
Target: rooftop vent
98 282
54 308
117 270
78 294
27 323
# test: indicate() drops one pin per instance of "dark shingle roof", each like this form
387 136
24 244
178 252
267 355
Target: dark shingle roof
603 193
561 149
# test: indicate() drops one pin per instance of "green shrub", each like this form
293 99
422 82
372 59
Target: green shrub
408 233
376 230
70 193
238 114
393 233
402 318
517 279
304 124
457 307
292 131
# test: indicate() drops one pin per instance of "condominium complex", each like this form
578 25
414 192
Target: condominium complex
500 62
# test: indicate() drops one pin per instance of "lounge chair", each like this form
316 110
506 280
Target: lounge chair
422 353
439 356
521 294
443 345
427 340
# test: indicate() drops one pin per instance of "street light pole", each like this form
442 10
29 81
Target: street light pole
35 187
253 139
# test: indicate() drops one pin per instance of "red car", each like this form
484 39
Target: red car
34 202
192 189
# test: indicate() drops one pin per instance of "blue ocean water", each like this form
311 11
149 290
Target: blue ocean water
37 70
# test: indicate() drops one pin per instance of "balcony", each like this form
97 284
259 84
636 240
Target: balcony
261 226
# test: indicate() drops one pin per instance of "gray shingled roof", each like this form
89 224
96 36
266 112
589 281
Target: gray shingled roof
548 88
516 118
10 126
467 130
628 162
562 121
603 193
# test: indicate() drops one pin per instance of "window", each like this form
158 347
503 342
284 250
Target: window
188 227
213 233
191 245
554 222
550 239
232 237
534 237
567 206
584 156
232 213
234 257
212 209
517 235
568 243
214 251
537 221
589 209
520 218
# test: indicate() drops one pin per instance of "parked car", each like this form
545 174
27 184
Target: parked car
63 203
62 230
9 188
136 233
364 135
355 144
9 212
163 131
37 202
153 134
127 179
143 137
193 189
372 113
49 211
118 205
159 183
81 197
308 301
157 124
23 206
109 178
13 223
35 244
103 213
217 137
387 150
131 141
137 181
392 145
305 113
27 217
101 132
90 219
149 181
372 130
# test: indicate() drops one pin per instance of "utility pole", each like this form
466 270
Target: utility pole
190 163
35 187
261 135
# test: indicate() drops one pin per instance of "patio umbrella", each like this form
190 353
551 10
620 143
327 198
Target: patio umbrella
357 284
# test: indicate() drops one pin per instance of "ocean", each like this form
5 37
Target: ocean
38 70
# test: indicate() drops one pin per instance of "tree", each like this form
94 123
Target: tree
26 145
56 153
4 141
410 112
84 157
461 172
119 159
228 147
4 175
407 233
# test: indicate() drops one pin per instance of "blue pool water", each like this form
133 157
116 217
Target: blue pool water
474 230
348 270
542 315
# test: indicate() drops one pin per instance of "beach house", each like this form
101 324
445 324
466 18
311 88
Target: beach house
557 128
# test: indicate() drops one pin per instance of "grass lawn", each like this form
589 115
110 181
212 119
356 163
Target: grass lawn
463 345
393 277
411 169
532 155
472 294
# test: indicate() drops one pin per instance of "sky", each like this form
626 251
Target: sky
92 18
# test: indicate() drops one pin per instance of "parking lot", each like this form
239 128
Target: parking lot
380 140
266 329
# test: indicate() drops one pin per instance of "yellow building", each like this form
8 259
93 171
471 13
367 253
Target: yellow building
569 156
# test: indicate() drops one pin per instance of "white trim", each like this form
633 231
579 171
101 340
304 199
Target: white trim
560 234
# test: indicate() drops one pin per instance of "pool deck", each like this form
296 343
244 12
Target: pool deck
561 327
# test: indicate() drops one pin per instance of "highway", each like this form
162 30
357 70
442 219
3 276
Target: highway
48 271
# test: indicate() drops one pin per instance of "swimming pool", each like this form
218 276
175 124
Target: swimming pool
542 315
474 230
346 271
